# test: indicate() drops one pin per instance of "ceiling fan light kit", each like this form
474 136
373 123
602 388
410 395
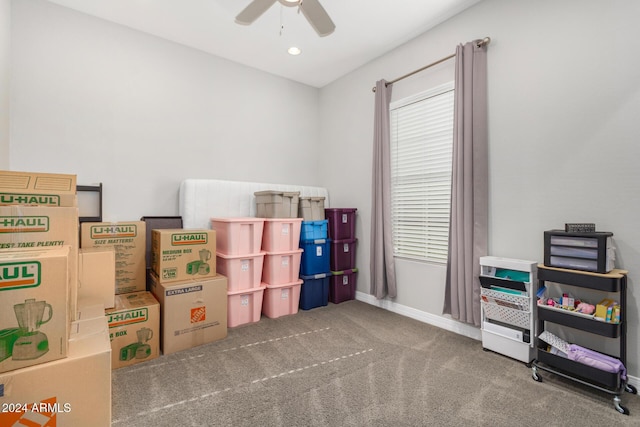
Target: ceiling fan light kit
311 9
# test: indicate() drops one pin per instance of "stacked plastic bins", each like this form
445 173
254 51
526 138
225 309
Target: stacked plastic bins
239 257
281 266
314 268
342 231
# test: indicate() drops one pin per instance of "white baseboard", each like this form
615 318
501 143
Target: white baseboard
422 316
440 321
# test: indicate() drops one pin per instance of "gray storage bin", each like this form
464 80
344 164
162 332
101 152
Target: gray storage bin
311 208
277 204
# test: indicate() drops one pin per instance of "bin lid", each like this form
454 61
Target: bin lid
339 273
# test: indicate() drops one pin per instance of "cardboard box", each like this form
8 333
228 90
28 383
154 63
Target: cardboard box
34 309
97 275
192 312
37 189
90 308
128 241
43 227
179 254
602 307
74 391
134 329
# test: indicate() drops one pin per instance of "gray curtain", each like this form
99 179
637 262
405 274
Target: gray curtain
469 186
382 267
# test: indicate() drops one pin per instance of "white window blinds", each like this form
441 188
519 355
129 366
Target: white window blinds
421 147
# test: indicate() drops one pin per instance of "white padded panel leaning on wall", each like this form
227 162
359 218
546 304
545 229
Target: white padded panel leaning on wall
202 199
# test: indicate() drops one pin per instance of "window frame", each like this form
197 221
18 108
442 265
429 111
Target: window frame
429 256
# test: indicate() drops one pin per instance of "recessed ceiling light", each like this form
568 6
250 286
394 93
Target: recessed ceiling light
294 51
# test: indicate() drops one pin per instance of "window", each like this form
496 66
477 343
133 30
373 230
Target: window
421 150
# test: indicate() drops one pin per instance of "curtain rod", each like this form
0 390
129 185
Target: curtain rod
479 43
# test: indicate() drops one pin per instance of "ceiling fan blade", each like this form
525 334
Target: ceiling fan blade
253 11
317 17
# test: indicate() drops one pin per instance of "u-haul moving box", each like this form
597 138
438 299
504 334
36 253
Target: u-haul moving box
178 254
37 189
192 312
34 311
41 227
128 240
97 275
134 329
74 391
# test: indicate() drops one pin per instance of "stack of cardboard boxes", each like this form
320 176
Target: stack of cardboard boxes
74 301
54 354
134 315
192 296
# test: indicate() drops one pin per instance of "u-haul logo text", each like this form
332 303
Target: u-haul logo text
24 224
111 231
179 239
29 199
129 317
15 275
198 314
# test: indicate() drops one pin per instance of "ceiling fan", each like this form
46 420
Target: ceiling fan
311 9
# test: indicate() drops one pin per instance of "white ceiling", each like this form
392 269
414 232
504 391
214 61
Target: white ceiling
365 29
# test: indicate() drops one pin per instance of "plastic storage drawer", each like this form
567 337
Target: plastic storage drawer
315 258
281 300
342 223
579 251
244 306
242 271
235 236
314 291
281 234
281 267
312 230
343 286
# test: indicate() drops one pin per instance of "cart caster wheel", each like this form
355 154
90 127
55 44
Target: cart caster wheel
630 389
622 409
536 377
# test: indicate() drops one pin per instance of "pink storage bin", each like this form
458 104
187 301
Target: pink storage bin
281 234
281 300
244 306
281 267
242 271
235 236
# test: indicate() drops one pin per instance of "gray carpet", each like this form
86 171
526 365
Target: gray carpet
351 364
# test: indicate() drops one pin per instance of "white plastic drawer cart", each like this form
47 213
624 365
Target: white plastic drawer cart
616 282
507 306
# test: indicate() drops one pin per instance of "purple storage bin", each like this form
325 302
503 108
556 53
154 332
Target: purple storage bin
342 223
343 286
343 254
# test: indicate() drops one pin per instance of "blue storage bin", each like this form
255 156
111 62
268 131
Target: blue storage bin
312 230
315 258
315 291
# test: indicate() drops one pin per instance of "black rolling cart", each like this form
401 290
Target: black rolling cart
613 282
